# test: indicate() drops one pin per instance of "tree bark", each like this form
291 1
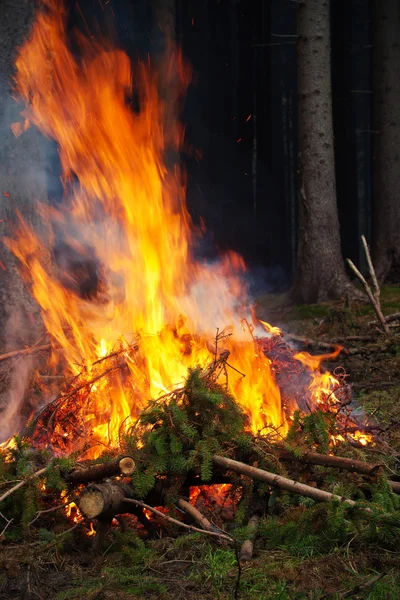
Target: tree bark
246 551
275 480
320 274
337 462
386 139
124 465
102 500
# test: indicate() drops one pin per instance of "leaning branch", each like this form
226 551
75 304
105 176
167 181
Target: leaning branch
337 462
279 481
373 297
221 535
195 514
21 484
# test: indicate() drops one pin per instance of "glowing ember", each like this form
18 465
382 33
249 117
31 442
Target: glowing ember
115 275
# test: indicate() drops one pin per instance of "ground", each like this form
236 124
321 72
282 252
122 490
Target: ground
191 566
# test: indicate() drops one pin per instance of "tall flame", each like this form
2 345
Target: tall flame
125 210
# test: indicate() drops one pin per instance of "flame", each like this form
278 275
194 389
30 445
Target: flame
129 209
113 270
323 384
270 328
216 492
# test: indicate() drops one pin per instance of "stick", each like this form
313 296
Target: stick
388 318
365 385
195 514
246 551
48 510
23 351
22 483
102 500
282 482
363 586
123 465
374 300
371 269
222 536
337 462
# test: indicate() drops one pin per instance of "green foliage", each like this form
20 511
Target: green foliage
184 432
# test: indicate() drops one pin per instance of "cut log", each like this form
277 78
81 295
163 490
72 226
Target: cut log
246 551
124 465
337 462
275 480
101 500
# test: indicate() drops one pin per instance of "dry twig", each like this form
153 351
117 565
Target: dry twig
373 296
221 535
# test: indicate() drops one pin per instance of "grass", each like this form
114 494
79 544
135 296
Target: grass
288 564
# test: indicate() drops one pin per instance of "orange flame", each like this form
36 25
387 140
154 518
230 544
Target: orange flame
323 384
125 211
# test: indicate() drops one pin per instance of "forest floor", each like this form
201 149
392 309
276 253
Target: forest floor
191 567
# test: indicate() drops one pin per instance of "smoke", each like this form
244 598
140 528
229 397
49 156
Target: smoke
14 408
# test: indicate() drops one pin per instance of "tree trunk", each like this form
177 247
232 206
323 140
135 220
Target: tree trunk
320 271
386 139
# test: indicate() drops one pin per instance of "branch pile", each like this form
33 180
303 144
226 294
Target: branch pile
193 437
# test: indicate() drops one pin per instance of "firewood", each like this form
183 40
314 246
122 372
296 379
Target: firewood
337 462
195 514
279 481
222 535
101 500
246 551
123 465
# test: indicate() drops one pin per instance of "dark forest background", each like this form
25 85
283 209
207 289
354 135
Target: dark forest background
241 113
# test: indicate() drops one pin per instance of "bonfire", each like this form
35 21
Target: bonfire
159 395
